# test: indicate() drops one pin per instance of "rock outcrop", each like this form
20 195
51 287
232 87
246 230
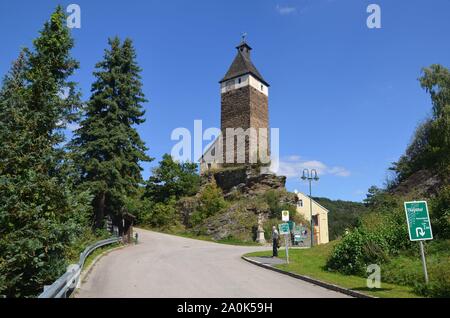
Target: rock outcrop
246 189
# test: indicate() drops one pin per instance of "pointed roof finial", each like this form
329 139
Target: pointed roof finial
243 35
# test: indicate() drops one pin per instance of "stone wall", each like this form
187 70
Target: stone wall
243 108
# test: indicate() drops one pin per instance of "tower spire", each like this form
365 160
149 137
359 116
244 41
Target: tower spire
243 35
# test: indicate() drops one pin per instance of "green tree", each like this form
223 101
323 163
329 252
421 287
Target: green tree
109 149
172 179
41 214
430 146
210 202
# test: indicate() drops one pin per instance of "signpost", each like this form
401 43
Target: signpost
419 227
284 229
285 215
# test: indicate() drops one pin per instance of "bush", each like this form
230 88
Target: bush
163 214
439 285
440 214
210 202
356 251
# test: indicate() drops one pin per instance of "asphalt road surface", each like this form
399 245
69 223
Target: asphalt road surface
169 266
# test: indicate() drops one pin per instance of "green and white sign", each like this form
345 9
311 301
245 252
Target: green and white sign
419 225
283 228
285 215
301 231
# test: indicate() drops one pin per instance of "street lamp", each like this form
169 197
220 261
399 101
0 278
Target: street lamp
310 176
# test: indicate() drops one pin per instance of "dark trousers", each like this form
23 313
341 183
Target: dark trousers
275 247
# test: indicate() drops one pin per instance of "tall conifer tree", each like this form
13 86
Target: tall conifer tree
109 147
40 213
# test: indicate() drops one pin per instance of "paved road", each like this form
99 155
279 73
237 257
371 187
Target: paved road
169 266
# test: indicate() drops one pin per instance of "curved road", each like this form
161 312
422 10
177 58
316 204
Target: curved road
163 265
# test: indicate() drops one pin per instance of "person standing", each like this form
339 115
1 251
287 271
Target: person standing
275 237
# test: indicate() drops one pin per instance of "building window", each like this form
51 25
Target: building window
300 203
262 87
239 80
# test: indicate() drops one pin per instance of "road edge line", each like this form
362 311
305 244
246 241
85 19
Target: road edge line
308 279
86 271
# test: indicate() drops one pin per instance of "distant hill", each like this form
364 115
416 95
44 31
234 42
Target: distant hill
342 215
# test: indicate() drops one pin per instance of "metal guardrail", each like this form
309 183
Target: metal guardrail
65 285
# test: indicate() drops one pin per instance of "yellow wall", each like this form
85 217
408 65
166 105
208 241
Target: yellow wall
304 210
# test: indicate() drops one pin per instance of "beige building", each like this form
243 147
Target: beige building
320 217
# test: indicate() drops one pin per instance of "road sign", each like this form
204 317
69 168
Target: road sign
285 215
301 231
283 228
291 225
419 226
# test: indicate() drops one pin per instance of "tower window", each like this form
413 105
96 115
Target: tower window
262 87
239 80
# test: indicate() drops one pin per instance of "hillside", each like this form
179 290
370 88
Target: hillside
421 173
343 215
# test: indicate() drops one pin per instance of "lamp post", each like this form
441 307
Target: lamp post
310 175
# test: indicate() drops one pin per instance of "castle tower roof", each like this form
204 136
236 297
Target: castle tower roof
242 65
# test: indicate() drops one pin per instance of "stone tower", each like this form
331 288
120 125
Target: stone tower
244 105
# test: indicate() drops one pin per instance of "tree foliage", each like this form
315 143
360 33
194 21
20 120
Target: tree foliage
172 179
108 147
430 146
41 213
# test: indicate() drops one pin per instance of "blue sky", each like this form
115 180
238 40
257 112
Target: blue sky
345 98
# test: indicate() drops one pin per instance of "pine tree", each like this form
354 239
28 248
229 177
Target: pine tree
109 147
40 213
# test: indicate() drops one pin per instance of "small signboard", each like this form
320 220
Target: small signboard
291 225
419 225
285 215
283 228
301 231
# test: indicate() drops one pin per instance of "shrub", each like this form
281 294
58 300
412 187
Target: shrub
163 214
439 285
210 202
440 214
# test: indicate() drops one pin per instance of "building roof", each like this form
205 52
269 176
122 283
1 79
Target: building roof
242 65
307 196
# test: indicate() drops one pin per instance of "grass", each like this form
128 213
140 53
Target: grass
311 262
97 252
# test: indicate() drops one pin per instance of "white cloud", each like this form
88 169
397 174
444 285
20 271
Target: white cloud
292 167
285 10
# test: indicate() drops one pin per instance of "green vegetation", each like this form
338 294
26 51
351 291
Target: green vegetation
177 200
430 147
107 147
343 215
210 202
42 214
98 252
50 187
312 263
172 180
381 235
